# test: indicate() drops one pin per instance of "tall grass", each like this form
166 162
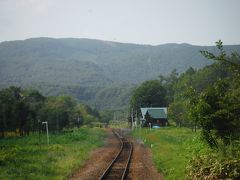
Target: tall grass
31 158
172 148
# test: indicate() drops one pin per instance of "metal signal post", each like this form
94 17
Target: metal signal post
47 130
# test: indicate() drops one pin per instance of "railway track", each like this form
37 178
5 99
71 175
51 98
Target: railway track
118 168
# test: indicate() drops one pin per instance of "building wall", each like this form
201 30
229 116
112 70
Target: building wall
156 122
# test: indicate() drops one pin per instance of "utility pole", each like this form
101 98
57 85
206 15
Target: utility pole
132 118
47 130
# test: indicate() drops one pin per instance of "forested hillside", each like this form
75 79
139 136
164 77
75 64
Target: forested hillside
93 71
206 100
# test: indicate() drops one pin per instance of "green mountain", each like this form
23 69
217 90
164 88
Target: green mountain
100 73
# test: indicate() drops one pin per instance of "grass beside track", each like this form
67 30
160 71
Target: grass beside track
172 148
31 158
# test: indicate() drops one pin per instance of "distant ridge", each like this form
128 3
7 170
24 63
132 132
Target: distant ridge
89 63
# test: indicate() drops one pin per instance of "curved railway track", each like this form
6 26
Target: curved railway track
118 168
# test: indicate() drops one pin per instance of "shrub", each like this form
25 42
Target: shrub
213 166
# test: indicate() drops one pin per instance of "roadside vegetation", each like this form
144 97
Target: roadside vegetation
180 154
24 151
203 105
23 111
171 147
118 124
206 99
26 117
30 157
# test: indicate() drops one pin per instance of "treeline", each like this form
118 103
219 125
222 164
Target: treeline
23 111
205 99
209 98
112 97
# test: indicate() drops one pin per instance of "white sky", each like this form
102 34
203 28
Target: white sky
200 22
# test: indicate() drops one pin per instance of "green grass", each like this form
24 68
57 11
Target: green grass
172 148
118 124
31 158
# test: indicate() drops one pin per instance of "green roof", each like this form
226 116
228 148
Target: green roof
157 113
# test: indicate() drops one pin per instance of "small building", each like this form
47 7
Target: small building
154 116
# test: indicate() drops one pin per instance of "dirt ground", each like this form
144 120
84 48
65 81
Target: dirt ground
141 166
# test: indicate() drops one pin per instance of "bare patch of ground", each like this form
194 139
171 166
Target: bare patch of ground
99 160
141 166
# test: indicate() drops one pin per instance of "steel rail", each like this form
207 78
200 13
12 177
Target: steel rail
123 142
128 161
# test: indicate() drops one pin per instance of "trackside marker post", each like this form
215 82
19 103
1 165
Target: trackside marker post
47 130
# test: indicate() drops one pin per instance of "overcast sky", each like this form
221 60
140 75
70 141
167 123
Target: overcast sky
199 22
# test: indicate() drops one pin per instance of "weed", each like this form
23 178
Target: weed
31 158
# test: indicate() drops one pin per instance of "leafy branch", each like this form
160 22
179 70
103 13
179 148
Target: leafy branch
222 57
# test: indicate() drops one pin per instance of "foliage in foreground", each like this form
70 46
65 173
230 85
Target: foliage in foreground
215 107
214 166
180 154
30 157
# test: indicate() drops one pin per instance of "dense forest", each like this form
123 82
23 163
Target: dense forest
23 111
206 99
99 73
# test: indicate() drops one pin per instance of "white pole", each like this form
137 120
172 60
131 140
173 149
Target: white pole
47 130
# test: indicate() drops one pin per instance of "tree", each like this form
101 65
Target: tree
149 94
58 111
193 115
107 115
219 104
14 111
169 82
35 101
179 107
233 61
176 113
87 114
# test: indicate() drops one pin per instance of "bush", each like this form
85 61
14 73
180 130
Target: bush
214 166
